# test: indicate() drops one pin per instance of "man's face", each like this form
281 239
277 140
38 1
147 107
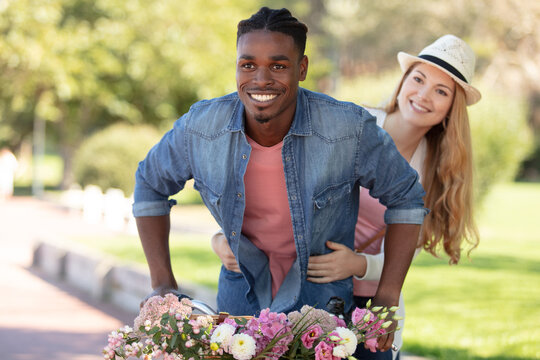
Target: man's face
268 69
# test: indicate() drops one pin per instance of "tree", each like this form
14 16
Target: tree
81 65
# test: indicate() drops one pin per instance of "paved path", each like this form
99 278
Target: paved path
41 319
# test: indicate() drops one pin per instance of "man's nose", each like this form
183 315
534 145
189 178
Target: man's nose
263 76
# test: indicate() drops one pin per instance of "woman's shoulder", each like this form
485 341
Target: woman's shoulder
380 114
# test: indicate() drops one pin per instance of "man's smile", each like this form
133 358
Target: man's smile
263 97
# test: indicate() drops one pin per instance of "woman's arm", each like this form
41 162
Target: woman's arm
374 265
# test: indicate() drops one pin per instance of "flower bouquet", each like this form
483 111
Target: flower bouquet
167 329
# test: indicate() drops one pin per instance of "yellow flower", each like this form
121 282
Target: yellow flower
214 346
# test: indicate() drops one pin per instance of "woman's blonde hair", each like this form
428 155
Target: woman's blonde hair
447 179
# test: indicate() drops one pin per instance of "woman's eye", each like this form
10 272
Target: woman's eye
442 92
417 79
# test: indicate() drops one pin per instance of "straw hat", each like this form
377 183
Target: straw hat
453 56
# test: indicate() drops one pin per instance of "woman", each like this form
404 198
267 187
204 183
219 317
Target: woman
427 119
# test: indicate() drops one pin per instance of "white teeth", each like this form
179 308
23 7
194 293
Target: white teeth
263 98
418 107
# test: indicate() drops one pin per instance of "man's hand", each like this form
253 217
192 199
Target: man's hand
337 265
384 342
221 247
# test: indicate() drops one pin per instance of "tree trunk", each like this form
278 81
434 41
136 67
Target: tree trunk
67 152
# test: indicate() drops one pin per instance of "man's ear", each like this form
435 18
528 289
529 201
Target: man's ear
304 62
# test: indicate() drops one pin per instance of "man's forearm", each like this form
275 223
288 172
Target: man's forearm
399 246
154 235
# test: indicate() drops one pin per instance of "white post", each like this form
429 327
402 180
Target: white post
93 204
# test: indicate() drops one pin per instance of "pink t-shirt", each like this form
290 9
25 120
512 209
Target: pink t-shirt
371 214
267 218
370 222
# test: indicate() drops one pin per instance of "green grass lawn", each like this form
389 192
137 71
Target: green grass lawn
487 307
192 257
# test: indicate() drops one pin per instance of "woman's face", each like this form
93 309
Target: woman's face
426 96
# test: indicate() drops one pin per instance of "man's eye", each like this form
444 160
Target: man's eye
247 66
279 67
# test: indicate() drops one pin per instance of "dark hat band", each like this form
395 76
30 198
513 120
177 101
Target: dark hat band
444 65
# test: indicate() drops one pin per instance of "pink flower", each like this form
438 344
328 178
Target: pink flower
157 306
230 322
311 335
375 330
268 326
362 317
323 351
372 344
340 322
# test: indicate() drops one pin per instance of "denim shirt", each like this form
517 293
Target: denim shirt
331 149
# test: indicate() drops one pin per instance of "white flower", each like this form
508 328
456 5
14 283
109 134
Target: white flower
349 341
127 329
340 351
242 347
223 334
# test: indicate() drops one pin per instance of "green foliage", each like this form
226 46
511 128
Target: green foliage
368 90
82 65
50 170
110 157
501 139
188 195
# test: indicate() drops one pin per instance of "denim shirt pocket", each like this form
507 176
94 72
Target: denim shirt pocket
331 205
211 199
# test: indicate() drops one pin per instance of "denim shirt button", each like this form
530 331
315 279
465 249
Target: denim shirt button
239 195
244 156
233 233
287 158
293 198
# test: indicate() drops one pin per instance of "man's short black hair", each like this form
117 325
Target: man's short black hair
275 20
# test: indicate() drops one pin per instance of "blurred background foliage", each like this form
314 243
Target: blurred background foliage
93 164
76 67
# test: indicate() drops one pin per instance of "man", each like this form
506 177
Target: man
276 211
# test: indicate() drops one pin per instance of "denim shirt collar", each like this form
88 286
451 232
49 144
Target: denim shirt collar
301 125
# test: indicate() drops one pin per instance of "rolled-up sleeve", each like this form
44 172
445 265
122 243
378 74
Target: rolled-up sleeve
389 177
161 174
405 216
152 208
